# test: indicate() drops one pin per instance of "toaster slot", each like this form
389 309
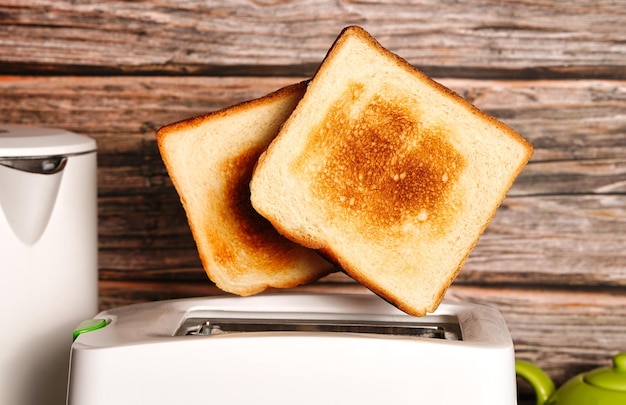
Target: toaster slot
218 326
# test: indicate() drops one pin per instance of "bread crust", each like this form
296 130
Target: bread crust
394 176
210 159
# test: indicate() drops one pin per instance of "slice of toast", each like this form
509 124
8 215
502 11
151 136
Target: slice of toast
389 174
210 160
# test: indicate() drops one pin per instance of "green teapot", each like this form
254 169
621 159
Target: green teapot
603 386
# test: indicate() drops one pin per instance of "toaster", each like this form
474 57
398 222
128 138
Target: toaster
287 348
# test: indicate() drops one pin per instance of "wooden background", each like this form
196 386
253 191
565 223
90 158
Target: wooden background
554 258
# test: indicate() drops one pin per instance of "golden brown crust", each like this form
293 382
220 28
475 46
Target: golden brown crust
239 249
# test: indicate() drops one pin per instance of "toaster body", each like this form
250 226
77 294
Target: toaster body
292 348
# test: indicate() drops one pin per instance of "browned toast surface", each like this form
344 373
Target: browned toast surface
390 174
210 159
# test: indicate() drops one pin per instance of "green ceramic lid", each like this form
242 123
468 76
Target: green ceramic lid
610 378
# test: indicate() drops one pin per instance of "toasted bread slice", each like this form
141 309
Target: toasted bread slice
210 160
388 173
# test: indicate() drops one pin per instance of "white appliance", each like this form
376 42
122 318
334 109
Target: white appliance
292 349
48 257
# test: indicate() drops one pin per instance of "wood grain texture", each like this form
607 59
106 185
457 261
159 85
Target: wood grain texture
485 38
553 260
564 216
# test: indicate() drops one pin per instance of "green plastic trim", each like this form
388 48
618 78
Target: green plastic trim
89 325
537 378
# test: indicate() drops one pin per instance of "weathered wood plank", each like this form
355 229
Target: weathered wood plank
487 38
554 240
122 112
563 222
573 177
565 120
568 240
563 331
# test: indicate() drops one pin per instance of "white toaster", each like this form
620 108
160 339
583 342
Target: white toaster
291 348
